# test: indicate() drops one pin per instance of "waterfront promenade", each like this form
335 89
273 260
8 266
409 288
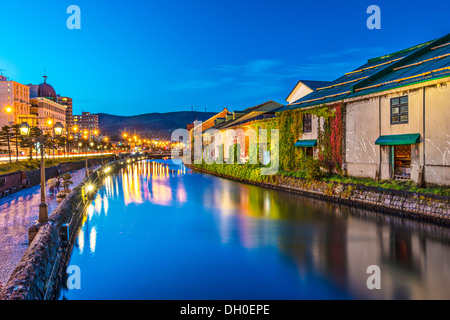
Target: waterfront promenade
19 211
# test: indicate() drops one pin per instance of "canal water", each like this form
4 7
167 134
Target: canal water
160 231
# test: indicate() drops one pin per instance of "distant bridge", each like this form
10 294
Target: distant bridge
159 155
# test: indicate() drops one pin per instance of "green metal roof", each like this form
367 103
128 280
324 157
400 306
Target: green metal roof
398 139
425 62
306 143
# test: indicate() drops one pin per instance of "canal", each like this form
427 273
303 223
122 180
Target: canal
160 231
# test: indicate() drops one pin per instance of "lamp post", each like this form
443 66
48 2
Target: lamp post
57 131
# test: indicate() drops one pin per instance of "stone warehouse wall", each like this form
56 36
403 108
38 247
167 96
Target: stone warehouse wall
39 273
418 206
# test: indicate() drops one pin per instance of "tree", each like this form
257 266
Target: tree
61 142
5 137
67 181
49 143
29 142
16 137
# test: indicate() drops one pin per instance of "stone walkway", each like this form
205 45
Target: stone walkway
19 211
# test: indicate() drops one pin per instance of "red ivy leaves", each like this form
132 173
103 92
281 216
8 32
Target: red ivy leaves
336 136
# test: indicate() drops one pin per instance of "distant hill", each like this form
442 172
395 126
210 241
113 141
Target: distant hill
152 125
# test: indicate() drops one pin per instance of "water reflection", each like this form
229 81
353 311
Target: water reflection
202 237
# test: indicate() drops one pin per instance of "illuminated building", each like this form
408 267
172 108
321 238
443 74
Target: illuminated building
14 102
44 104
85 121
66 101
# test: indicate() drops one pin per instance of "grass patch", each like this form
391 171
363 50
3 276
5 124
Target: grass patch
252 173
29 165
390 184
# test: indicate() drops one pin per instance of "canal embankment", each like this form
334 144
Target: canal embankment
11 182
423 207
39 272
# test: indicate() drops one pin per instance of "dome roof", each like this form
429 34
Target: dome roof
34 90
46 90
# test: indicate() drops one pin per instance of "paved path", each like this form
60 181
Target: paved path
19 211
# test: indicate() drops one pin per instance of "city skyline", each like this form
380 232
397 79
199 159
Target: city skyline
233 55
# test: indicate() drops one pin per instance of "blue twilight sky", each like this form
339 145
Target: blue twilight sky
132 57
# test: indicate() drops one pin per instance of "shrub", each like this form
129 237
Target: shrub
67 181
313 171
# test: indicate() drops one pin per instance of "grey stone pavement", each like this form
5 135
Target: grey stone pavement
19 211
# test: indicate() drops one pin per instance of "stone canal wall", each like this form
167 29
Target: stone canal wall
422 207
34 176
42 268
11 181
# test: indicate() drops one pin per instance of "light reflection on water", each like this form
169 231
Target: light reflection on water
158 231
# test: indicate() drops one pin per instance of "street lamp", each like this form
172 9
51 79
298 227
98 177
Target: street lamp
24 129
58 130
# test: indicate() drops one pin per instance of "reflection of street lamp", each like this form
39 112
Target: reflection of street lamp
24 129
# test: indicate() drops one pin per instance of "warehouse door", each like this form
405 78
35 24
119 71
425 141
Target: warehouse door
402 162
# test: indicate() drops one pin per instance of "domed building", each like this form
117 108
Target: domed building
43 90
44 103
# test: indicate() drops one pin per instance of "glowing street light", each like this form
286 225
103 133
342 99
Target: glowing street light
24 129
58 129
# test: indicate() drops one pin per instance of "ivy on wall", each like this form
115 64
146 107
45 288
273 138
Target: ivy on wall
290 125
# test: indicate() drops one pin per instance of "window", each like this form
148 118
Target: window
307 122
399 110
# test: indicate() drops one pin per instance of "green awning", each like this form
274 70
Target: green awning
306 143
398 139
